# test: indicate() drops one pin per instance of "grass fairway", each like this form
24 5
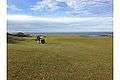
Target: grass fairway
62 58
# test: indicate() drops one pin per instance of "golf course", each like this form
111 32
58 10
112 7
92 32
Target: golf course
72 57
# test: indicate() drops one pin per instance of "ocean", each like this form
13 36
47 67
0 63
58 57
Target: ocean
72 33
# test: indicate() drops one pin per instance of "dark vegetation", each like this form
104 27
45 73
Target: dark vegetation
16 37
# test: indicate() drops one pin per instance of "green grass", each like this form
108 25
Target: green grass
14 39
62 58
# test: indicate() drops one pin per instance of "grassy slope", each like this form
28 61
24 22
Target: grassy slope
62 58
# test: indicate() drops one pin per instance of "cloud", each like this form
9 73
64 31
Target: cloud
45 5
79 4
75 7
13 8
25 18
62 24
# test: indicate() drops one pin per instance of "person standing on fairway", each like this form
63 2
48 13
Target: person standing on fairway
38 39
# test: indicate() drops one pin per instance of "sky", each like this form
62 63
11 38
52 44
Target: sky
59 15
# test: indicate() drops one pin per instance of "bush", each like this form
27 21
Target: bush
11 38
20 34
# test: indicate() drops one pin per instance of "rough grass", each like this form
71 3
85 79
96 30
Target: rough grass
62 58
14 39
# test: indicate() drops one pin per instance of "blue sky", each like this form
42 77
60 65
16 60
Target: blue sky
59 15
60 8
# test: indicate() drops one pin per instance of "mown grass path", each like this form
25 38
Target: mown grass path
62 58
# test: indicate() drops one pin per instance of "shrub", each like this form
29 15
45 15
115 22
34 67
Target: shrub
11 38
